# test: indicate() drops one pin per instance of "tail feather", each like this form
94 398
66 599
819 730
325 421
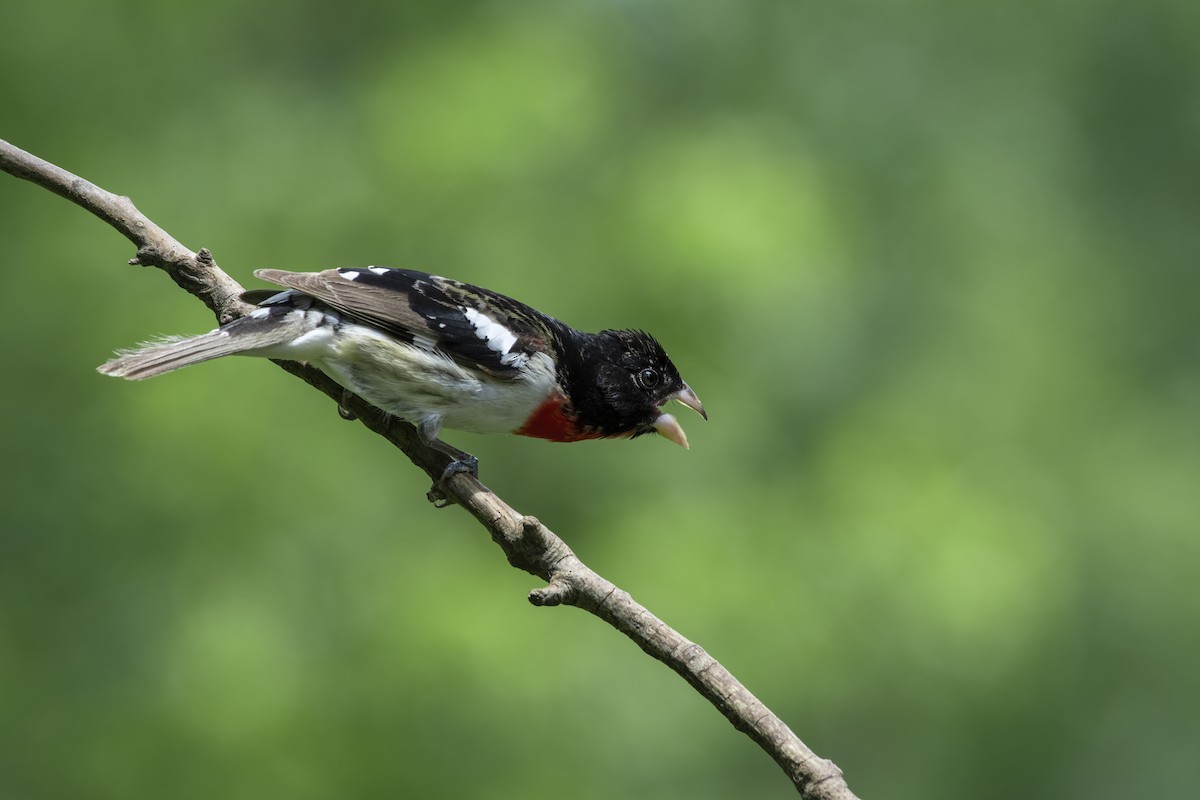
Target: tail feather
253 335
155 358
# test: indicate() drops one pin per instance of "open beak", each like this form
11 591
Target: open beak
668 427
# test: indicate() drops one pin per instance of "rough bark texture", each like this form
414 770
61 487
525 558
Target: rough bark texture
526 543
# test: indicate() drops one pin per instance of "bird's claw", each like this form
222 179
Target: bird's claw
437 493
470 465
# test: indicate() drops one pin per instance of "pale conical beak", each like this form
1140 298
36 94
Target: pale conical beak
668 427
689 399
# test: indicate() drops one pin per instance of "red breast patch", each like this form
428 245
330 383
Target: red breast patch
552 421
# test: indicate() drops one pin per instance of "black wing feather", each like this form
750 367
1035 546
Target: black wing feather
407 303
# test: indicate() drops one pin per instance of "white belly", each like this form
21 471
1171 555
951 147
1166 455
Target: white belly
425 387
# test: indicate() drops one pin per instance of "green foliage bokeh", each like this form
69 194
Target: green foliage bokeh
931 267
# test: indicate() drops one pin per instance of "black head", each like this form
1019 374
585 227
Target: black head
621 383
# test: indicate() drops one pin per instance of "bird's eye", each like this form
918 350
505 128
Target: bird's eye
647 378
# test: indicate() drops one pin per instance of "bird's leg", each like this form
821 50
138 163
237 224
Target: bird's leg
460 461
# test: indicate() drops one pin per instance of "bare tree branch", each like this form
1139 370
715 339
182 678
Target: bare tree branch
527 543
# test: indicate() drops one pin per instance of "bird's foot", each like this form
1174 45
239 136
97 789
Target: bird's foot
437 493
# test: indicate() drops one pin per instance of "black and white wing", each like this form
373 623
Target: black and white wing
474 326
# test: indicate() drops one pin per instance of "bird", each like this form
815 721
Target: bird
443 354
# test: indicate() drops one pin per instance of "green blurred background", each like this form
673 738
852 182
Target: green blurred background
931 266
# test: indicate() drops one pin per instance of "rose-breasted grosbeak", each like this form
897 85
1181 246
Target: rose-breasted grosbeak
440 353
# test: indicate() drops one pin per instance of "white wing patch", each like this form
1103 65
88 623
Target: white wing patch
498 337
